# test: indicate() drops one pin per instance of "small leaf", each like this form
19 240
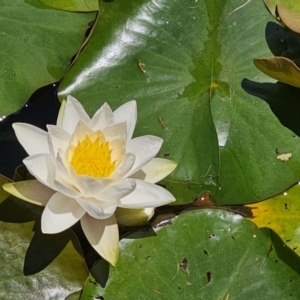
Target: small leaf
291 5
289 18
281 69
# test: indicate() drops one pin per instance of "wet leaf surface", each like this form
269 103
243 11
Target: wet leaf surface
37 44
186 261
185 73
63 277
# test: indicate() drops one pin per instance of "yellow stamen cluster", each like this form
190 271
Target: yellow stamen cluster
92 158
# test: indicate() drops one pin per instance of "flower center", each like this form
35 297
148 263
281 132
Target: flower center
92 158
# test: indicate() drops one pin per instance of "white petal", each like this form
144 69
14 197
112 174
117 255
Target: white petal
134 217
73 113
102 118
146 195
80 182
97 209
118 149
115 131
64 187
30 190
60 213
88 185
124 166
144 148
155 170
63 167
42 168
58 139
115 193
127 112
80 132
33 139
103 235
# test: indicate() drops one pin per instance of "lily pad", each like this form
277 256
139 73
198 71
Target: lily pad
37 44
280 213
185 73
64 276
192 259
73 5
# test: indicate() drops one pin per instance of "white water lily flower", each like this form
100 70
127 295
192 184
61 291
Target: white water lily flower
86 168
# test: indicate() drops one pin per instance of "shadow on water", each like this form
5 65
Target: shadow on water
41 109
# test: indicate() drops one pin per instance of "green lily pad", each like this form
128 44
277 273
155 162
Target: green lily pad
73 5
281 213
185 73
64 276
193 259
37 44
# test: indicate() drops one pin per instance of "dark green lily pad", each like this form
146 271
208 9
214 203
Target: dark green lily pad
209 255
37 44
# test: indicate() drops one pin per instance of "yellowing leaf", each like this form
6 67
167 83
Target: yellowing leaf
281 69
289 18
291 5
282 214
